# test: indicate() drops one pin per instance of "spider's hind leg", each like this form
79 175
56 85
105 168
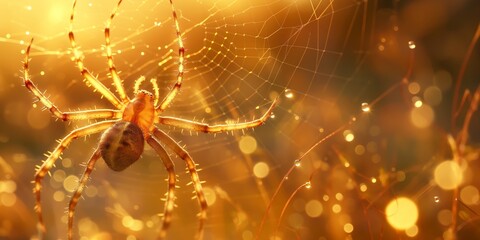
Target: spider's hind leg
81 185
197 184
170 196
48 164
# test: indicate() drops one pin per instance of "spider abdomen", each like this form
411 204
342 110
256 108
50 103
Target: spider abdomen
121 145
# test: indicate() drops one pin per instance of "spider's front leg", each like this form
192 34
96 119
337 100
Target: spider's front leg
102 89
48 164
181 59
89 114
202 127
111 66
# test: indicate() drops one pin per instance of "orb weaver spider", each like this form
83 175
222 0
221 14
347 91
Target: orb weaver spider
127 128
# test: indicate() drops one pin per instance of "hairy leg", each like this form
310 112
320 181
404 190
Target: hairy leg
85 73
53 156
170 195
89 114
183 154
78 192
181 58
111 66
203 127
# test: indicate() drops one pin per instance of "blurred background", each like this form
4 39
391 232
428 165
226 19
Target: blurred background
376 135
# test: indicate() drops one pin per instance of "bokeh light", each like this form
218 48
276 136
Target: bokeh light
448 175
401 213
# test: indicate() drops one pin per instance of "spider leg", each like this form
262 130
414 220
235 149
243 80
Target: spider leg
111 66
183 154
156 90
48 164
138 82
170 196
89 114
181 58
78 192
85 73
202 127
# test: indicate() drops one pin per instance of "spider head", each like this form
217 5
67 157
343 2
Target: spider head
141 111
145 95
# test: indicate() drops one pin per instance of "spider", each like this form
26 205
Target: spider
127 128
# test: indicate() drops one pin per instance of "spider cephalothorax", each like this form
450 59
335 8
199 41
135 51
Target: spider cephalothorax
127 128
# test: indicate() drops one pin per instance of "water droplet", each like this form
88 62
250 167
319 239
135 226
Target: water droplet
297 163
436 199
34 105
411 44
272 115
374 180
365 107
308 185
288 93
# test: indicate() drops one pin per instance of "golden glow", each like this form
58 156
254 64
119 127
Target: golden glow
418 103
363 187
210 196
348 228
412 231
411 45
336 208
444 217
448 175
8 186
414 87
433 95
247 144
38 119
359 149
365 107
8 199
469 195
132 224
313 208
401 213
59 175
339 196
422 117
261 170
288 93
70 183
348 135
58 196
67 162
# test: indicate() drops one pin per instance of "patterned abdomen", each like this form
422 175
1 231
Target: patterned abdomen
121 145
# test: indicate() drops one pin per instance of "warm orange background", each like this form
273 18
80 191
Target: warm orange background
332 55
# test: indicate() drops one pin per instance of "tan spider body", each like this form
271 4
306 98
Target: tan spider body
127 128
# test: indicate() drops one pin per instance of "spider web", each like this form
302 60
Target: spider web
336 68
